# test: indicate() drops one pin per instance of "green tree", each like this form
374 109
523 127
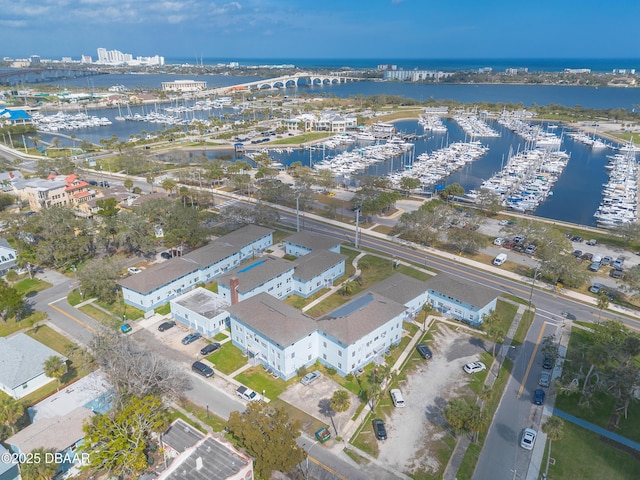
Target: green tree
10 412
492 326
409 183
118 440
169 185
39 468
55 367
340 401
602 303
347 288
12 302
257 427
98 278
453 190
128 183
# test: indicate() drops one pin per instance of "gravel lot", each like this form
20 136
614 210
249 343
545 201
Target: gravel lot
414 431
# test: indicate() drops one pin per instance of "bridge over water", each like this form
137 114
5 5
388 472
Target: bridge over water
43 75
288 81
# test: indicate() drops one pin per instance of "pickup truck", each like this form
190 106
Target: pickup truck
248 394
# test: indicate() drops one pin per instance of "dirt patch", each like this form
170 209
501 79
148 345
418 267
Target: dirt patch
416 430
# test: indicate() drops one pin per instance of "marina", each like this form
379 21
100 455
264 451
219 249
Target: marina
620 194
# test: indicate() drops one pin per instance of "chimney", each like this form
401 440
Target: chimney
233 285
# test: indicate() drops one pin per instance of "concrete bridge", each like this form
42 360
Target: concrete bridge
288 81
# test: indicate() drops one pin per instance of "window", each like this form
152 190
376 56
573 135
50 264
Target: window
339 353
340 366
309 357
324 344
353 354
293 354
324 355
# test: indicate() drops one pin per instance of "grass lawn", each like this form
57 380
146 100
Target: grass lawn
310 425
102 317
216 423
74 298
523 328
582 454
221 336
49 337
228 358
259 380
11 326
163 310
30 286
299 302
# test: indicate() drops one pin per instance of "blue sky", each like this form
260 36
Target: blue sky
322 28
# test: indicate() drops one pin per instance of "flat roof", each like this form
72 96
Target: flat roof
203 302
180 436
256 272
366 312
312 241
280 322
211 459
400 288
313 264
462 289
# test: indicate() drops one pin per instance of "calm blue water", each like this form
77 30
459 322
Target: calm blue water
576 195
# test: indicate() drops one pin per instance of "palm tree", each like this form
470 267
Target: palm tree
554 428
340 401
347 288
39 468
55 367
10 412
169 184
603 303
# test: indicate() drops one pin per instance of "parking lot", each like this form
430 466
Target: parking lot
415 431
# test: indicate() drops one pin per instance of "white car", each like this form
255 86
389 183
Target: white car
528 438
474 367
502 223
498 241
133 270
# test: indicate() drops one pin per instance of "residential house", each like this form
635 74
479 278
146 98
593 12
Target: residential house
317 270
57 191
302 243
9 466
22 361
57 421
158 284
460 298
403 289
201 310
268 274
8 257
199 456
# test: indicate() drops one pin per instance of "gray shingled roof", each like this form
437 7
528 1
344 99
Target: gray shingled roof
462 289
278 321
21 359
400 288
58 433
219 462
316 262
158 275
360 316
180 436
163 273
312 241
255 273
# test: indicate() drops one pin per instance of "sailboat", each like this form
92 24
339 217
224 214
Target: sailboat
120 118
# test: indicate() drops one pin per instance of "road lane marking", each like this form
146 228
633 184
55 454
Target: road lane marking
328 469
72 317
533 356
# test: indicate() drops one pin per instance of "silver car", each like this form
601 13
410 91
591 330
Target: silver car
545 379
309 378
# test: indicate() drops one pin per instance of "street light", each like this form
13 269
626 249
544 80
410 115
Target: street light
308 452
536 274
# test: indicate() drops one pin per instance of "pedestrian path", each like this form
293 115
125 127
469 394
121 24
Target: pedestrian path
599 430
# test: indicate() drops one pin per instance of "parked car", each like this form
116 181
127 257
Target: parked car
192 337
498 241
545 379
164 326
616 273
125 328
503 223
202 369
596 258
311 377
379 429
424 351
577 238
528 438
606 260
586 256
592 242
577 253
247 394
397 398
531 249
538 396
594 267
595 288
133 270
166 255
547 363
618 262
474 367
509 244
210 348
518 238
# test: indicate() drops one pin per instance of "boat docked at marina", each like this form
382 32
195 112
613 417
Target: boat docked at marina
619 203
